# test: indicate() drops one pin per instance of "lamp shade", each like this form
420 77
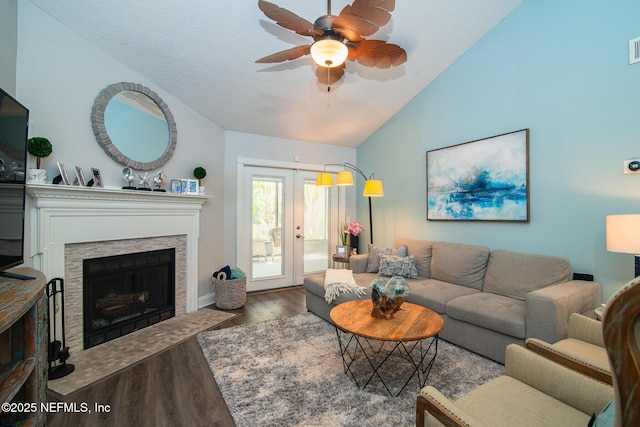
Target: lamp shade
344 178
623 233
329 52
324 179
373 188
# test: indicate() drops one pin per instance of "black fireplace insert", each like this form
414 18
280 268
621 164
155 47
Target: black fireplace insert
124 293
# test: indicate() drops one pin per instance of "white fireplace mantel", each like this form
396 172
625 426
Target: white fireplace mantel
61 215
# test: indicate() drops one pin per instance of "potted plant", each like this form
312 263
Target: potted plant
39 147
199 173
353 229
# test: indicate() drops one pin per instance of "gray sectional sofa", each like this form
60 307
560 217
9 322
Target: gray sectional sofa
487 298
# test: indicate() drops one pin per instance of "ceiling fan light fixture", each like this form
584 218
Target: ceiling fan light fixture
329 52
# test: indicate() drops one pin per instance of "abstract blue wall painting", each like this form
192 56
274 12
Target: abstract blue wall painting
482 180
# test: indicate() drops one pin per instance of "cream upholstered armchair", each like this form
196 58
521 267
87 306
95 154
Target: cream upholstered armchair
534 391
537 391
583 350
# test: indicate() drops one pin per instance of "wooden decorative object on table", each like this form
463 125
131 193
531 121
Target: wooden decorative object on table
383 307
387 296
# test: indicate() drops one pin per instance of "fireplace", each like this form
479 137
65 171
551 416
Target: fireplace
71 223
125 293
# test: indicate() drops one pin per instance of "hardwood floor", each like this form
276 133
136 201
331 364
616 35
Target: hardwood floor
175 387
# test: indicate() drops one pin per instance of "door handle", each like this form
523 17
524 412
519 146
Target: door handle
300 236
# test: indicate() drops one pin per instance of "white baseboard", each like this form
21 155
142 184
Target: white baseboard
205 300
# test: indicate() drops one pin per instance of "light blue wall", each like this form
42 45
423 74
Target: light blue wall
562 70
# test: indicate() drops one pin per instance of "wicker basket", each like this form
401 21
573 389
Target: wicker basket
230 294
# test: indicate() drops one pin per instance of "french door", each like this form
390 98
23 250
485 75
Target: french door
285 226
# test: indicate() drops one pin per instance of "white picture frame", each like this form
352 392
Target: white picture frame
80 176
63 174
191 186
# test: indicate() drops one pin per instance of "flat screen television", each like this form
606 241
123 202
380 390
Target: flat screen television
14 123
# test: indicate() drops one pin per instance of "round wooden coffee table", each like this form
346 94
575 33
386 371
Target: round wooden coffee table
408 331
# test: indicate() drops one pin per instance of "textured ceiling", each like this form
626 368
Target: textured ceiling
203 52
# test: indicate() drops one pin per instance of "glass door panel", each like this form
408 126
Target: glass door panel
316 227
284 226
266 227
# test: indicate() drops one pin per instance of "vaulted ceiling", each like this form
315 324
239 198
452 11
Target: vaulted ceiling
203 52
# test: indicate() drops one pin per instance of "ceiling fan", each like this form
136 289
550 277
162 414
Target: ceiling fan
338 38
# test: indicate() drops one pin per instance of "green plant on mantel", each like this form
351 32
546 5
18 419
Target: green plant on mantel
39 147
199 173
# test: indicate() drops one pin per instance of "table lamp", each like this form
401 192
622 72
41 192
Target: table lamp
623 235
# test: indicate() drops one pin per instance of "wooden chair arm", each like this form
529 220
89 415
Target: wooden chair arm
445 411
547 351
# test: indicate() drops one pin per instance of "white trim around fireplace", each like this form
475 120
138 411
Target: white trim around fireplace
62 215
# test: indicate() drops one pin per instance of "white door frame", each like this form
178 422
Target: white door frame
243 254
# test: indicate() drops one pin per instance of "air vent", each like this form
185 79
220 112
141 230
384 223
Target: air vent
634 50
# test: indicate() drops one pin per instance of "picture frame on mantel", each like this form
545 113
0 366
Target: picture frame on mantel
97 178
63 174
80 176
481 180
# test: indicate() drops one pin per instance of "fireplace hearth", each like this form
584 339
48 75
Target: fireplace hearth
125 293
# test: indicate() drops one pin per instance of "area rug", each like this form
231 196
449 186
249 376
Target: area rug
289 372
111 357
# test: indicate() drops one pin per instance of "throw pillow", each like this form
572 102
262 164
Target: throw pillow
373 261
398 266
605 418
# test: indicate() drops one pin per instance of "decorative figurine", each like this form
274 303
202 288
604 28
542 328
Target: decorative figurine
129 176
159 180
144 181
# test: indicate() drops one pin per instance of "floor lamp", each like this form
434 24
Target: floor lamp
623 235
372 187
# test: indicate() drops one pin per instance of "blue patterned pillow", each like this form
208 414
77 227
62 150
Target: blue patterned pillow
373 262
398 266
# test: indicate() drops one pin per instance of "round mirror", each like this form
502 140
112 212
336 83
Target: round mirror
134 126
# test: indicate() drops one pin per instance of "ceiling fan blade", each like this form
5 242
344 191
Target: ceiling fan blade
363 18
286 19
286 55
377 53
328 76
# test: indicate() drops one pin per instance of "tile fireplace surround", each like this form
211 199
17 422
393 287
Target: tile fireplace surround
70 223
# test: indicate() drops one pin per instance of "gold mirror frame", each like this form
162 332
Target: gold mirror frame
100 131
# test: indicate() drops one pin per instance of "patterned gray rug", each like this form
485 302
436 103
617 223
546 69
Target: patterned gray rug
289 372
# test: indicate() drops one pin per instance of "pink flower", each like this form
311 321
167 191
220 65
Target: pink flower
354 228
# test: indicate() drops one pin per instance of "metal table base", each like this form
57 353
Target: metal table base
351 346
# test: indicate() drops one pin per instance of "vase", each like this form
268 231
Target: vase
37 176
353 242
396 287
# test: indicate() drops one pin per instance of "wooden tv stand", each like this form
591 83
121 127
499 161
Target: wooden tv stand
23 348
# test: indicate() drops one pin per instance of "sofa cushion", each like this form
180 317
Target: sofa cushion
490 311
373 262
434 294
422 250
459 263
515 274
398 266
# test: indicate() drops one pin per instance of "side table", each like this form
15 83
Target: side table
340 262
